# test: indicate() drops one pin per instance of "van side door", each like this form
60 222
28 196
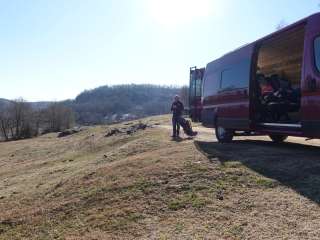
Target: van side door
234 100
311 79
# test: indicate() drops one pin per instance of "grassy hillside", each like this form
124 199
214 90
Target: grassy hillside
145 186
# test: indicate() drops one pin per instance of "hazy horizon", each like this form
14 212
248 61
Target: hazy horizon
53 50
91 89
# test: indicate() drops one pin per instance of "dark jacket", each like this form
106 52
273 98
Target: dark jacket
177 109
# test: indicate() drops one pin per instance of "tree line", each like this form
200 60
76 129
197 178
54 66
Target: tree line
19 120
107 104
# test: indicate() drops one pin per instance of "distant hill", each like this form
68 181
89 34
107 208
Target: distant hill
111 103
40 105
107 104
3 103
35 105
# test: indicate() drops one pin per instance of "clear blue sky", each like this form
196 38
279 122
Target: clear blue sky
54 49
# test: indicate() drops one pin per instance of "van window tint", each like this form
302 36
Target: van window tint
211 84
317 52
235 77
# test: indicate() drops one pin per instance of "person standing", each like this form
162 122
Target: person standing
177 111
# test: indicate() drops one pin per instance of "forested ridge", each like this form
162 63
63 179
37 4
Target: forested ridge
107 104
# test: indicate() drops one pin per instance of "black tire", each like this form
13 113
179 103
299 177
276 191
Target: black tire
278 138
223 135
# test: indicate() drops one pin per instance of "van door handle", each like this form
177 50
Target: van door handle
312 83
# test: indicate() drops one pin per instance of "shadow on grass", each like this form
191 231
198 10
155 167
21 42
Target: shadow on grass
294 165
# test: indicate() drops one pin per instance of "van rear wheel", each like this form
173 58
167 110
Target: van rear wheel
223 135
278 138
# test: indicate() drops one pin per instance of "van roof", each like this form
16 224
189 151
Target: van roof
250 46
304 20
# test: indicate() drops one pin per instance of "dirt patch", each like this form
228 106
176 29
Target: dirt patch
128 129
69 132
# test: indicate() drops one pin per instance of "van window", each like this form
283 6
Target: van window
195 84
211 84
198 87
235 77
192 87
317 52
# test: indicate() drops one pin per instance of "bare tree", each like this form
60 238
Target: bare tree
17 109
37 119
4 124
58 117
20 113
18 120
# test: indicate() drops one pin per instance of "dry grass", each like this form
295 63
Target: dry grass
145 186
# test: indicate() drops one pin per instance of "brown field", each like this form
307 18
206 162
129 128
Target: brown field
146 186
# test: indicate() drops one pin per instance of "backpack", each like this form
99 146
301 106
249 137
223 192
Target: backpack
187 127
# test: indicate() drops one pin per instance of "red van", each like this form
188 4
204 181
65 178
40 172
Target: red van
271 86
